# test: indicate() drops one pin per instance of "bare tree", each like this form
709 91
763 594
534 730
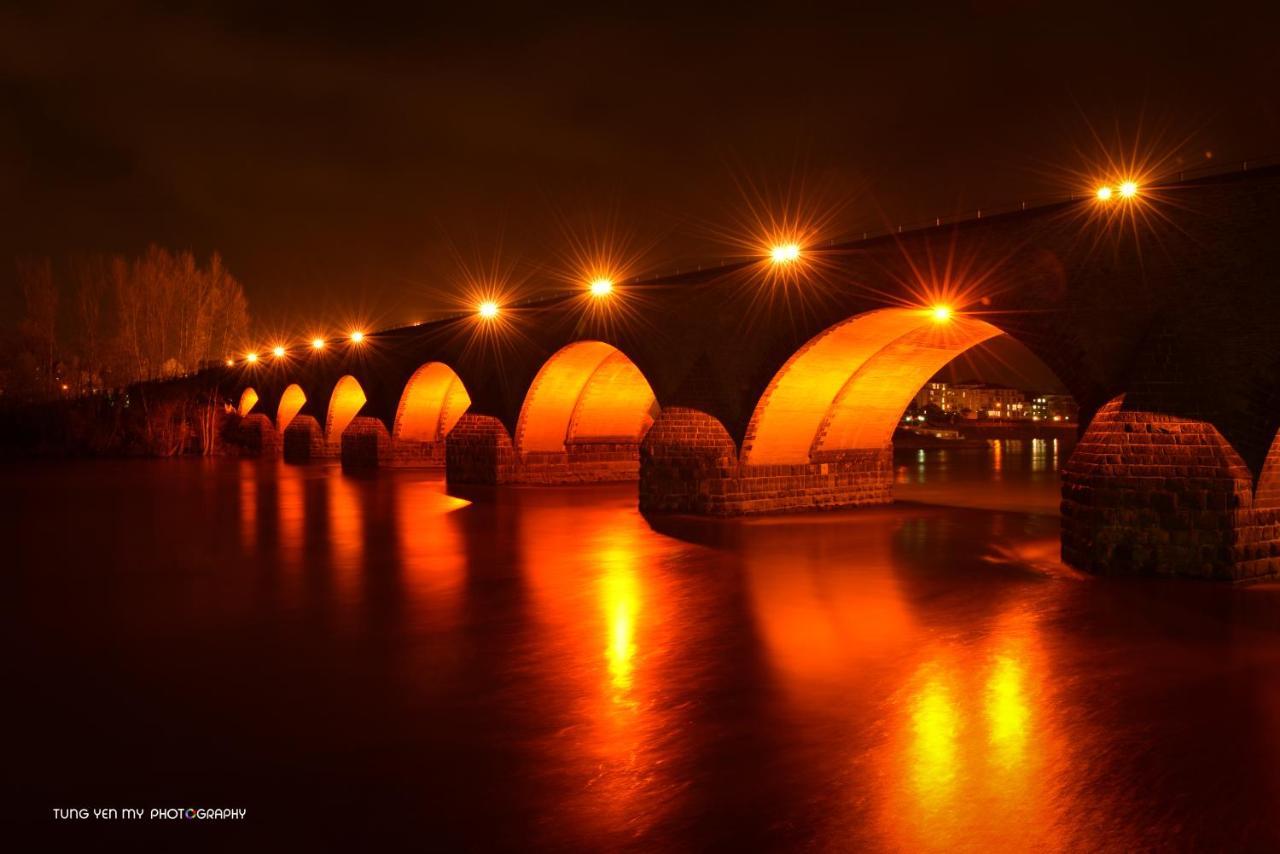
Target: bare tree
40 325
159 314
92 278
174 314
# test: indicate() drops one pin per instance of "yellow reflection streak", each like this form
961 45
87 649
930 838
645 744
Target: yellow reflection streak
620 601
936 723
979 755
1039 457
1008 712
608 620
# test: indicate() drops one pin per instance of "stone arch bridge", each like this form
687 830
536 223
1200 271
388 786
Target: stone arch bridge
758 388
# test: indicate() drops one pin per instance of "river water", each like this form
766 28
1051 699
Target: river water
383 660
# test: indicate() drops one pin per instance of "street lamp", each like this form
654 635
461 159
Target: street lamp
785 253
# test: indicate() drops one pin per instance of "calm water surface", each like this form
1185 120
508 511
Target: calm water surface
387 660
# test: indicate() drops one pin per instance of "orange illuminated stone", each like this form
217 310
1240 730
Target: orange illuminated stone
290 402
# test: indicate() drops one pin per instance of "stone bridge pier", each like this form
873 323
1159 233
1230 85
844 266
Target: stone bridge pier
1154 493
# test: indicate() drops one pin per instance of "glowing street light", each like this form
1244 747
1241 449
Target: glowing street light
785 253
488 309
601 287
231 363
318 343
357 336
1104 194
941 313
277 351
251 357
1128 190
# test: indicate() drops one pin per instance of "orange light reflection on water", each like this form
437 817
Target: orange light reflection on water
432 551
963 750
620 602
346 537
817 626
935 724
608 619
978 756
292 514
248 506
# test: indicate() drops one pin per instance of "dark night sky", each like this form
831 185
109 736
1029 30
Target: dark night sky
343 161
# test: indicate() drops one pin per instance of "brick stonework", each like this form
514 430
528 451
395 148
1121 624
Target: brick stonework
479 450
411 453
1267 494
257 437
1153 494
593 461
688 464
366 444
303 440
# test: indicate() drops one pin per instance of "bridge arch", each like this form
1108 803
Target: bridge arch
587 391
345 403
821 433
434 399
248 400
584 416
292 400
847 387
254 434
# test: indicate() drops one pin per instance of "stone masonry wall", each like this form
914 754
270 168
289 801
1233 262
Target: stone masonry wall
366 444
411 453
479 450
303 440
596 461
1153 494
258 437
689 464
1267 494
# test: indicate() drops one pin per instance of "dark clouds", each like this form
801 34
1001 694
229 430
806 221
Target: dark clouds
340 159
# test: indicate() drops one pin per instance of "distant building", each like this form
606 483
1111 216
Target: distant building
988 401
1060 407
933 394
985 400
974 399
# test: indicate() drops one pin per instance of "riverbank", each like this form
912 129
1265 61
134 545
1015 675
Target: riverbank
158 419
973 435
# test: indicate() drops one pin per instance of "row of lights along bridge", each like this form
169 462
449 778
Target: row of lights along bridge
781 254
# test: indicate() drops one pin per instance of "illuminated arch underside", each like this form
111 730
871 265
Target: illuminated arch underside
587 391
348 397
433 401
847 388
248 399
290 402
